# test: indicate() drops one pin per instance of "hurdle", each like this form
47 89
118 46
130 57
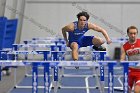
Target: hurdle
34 52
45 54
3 55
57 45
51 47
99 55
119 40
55 57
45 41
17 46
111 64
111 74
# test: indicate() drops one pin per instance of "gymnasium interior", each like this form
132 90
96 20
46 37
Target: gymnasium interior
34 51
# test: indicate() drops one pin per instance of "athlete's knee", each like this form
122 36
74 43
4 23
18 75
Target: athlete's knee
129 89
74 45
137 89
97 41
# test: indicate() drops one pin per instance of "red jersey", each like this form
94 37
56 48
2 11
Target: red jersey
132 50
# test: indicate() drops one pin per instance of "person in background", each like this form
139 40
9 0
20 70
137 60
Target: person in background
131 49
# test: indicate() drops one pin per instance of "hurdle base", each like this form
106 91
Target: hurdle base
120 89
96 87
58 87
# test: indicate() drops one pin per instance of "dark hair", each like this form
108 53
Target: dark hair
83 13
131 27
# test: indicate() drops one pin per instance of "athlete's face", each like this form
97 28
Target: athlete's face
132 34
82 21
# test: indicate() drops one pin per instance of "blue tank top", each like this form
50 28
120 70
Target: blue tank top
77 34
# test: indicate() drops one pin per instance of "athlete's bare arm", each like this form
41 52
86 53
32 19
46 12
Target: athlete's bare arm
123 54
99 29
69 27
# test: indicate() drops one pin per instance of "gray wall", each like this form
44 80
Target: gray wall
47 19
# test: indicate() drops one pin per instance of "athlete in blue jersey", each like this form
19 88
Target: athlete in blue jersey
76 31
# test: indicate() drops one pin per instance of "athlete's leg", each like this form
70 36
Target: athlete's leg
92 40
130 83
137 88
137 84
134 76
74 48
97 41
131 79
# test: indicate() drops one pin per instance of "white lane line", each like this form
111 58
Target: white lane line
87 85
119 79
50 87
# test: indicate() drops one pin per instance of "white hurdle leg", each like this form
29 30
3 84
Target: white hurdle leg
99 84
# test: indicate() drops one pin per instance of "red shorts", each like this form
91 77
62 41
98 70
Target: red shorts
133 77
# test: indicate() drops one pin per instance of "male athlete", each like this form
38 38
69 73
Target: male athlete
131 49
76 38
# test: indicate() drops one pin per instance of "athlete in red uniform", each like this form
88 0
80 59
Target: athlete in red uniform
131 49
